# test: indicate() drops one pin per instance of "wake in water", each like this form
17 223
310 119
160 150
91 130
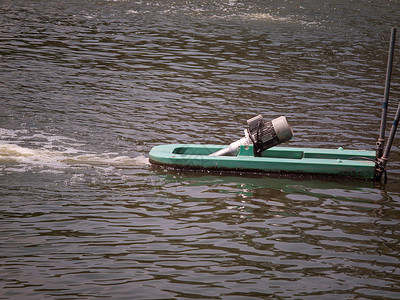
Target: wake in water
43 157
20 158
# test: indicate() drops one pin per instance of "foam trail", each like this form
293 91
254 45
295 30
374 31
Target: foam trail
43 158
36 157
107 159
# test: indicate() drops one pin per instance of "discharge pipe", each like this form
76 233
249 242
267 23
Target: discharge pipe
261 134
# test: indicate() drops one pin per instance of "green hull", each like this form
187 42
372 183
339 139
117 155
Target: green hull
339 162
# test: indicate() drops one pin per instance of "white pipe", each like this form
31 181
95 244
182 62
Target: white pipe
232 148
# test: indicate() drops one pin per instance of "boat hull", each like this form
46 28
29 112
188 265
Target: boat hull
337 162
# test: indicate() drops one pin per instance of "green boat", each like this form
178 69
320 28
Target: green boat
278 160
257 151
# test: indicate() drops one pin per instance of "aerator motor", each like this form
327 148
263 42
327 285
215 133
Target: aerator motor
262 134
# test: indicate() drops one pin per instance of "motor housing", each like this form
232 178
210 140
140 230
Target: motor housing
266 134
262 134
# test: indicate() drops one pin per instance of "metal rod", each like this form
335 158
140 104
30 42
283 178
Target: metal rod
380 144
395 124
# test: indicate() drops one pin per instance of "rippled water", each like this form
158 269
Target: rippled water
89 87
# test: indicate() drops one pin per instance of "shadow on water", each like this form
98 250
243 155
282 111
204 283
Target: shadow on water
253 182
259 189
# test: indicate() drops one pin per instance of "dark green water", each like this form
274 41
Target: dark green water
87 88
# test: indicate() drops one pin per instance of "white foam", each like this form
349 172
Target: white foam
70 158
21 150
29 156
10 133
232 2
132 12
108 159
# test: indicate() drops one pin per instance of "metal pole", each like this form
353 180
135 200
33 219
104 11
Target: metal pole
385 156
380 144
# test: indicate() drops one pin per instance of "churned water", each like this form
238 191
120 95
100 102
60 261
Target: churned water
89 87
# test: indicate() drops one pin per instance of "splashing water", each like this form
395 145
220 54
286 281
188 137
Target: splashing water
23 158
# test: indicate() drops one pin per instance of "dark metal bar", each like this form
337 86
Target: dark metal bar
395 124
380 144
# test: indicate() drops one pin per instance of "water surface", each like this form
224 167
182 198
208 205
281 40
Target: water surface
88 88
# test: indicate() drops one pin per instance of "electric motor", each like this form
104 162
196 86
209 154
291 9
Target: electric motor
261 134
265 134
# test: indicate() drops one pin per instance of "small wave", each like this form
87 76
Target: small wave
10 133
274 18
132 12
265 16
226 10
